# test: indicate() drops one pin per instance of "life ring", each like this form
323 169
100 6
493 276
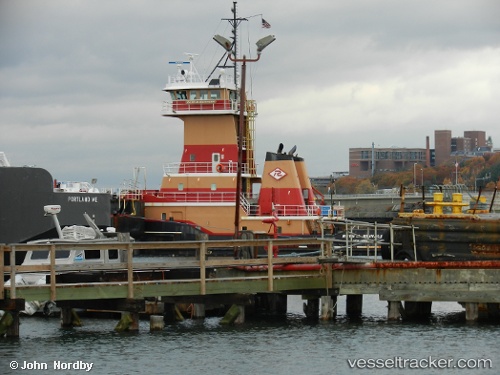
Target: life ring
219 168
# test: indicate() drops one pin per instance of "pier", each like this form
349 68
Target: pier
140 284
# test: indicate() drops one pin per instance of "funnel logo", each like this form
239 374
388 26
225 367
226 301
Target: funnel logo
277 174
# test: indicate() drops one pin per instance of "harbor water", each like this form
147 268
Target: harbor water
445 344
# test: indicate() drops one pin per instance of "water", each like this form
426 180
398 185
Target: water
289 347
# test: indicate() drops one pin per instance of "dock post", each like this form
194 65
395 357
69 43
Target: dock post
270 304
328 307
9 324
233 315
311 307
156 323
240 319
417 310
128 322
69 318
135 321
471 311
198 310
393 310
13 330
354 305
171 313
493 310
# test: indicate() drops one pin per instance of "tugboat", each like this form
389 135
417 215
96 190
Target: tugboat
215 191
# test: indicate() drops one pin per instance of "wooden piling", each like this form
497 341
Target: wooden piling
240 319
393 310
198 311
354 305
416 310
328 307
231 315
128 322
66 317
471 311
493 310
270 304
311 308
6 323
156 323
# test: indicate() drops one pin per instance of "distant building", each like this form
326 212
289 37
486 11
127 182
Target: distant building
442 145
472 144
365 162
478 139
460 145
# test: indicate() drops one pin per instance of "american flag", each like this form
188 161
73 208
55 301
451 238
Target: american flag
265 24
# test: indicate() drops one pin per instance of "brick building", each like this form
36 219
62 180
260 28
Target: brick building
364 162
442 145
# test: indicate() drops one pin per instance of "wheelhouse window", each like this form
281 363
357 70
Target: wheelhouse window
203 94
181 95
214 94
193 95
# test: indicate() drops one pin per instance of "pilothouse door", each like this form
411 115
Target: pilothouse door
215 162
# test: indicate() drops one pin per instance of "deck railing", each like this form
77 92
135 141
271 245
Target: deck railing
170 108
188 197
203 167
251 209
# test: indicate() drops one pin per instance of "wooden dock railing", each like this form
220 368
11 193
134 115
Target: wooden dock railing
263 268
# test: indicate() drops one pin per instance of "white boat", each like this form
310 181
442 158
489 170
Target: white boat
75 234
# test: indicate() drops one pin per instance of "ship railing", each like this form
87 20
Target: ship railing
245 204
204 167
363 241
197 78
296 210
130 194
251 209
191 197
336 211
172 107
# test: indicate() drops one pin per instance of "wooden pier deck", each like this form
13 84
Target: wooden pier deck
201 278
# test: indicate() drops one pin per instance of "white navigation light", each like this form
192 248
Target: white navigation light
264 42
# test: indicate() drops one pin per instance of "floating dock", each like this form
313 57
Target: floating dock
260 283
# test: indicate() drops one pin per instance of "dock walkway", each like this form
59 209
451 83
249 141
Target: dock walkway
203 278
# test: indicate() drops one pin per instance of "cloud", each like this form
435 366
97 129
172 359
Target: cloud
81 81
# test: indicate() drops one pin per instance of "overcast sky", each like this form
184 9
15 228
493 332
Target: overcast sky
80 81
